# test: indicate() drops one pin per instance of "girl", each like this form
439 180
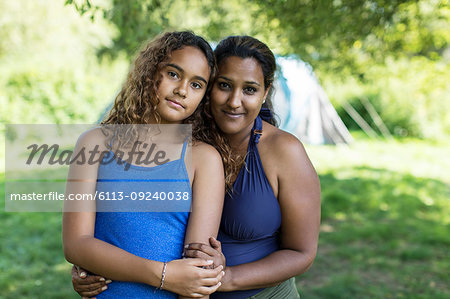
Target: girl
141 251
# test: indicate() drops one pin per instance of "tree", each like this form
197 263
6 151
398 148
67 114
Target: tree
336 35
343 33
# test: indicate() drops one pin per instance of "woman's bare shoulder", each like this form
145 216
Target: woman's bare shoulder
282 144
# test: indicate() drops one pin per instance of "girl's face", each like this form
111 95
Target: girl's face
183 82
237 94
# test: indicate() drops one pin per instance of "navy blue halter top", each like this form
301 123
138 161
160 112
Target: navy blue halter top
251 217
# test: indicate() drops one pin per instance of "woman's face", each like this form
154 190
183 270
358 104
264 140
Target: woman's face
183 82
237 95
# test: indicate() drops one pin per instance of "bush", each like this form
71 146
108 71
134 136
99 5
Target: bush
411 96
56 96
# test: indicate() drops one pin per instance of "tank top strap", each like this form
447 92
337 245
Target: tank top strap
111 141
183 151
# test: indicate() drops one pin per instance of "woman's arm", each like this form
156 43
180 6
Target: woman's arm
208 194
299 199
83 249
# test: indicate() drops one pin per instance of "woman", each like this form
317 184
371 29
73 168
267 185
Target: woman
166 85
270 222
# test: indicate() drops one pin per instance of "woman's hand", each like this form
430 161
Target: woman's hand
213 252
187 277
87 286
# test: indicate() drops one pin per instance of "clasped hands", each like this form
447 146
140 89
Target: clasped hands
189 277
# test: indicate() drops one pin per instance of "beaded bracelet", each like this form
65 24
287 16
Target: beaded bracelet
163 276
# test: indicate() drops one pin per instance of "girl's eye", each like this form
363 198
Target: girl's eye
196 85
172 74
250 90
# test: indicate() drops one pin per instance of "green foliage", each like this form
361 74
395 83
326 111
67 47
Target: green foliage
34 96
340 35
137 21
395 53
349 35
48 69
411 96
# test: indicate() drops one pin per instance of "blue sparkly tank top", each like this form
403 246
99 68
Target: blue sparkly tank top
251 218
156 236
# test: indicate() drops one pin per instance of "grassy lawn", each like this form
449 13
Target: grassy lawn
385 221
385 228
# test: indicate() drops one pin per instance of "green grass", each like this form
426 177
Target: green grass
32 263
384 233
385 221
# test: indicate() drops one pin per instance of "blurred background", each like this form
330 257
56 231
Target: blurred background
383 66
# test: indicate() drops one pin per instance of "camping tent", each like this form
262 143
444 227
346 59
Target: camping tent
303 106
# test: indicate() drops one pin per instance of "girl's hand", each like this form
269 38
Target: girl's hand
85 285
213 252
187 277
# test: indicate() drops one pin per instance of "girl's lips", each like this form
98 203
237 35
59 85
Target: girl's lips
175 104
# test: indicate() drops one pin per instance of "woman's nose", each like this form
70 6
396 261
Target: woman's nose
235 100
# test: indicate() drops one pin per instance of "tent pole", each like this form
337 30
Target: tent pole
376 117
359 120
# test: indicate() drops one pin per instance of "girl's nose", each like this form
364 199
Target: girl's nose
181 89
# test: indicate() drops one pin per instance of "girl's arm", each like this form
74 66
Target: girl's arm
80 246
83 249
208 194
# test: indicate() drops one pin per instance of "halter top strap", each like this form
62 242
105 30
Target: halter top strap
266 114
256 131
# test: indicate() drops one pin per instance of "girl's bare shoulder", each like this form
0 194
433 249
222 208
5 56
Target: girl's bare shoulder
202 151
92 138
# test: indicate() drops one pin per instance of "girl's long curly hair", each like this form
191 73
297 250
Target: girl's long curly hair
137 101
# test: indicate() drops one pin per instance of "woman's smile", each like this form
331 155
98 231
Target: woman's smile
233 115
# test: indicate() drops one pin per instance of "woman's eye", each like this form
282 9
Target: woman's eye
172 74
224 85
250 90
196 85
